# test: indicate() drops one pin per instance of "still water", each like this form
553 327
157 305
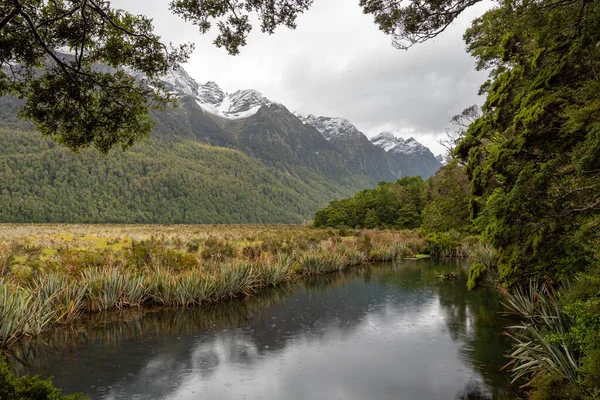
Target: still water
389 331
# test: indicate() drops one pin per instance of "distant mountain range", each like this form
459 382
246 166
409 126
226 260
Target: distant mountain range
251 158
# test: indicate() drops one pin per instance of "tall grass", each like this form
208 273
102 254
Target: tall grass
72 271
22 312
539 339
482 253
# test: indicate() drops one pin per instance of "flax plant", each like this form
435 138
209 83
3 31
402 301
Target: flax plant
539 344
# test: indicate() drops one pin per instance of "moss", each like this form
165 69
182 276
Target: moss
547 386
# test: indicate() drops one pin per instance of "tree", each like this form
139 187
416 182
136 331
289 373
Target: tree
87 98
533 157
461 123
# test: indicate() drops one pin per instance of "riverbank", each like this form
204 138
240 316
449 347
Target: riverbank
55 274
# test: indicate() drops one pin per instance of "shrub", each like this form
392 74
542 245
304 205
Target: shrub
365 244
217 250
475 275
193 246
253 252
444 244
29 388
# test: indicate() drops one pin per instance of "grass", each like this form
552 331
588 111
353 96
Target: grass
55 274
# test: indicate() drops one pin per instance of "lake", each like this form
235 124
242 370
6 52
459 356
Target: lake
382 331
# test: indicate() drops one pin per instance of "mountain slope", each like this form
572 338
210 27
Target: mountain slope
182 181
216 158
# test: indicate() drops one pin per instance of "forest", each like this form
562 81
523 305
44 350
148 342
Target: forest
525 180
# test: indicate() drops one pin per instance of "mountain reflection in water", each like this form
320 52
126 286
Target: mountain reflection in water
389 331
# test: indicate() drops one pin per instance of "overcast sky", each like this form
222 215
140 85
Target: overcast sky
337 63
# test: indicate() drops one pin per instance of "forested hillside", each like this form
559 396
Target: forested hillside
252 162
182 181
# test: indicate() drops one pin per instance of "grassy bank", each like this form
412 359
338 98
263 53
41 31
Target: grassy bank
55 274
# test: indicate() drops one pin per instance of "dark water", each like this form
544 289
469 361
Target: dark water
392 331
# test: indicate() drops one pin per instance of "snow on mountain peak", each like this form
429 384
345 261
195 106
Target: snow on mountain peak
210 97
179 81
331 127
391 143
211 93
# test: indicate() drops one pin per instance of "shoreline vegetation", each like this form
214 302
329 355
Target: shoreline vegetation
54 274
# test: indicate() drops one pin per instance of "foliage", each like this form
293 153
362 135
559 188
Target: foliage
449 205
389 205
533 156
439 204
164 180
28 388
539 338
583 307
69 98
444 244
476 273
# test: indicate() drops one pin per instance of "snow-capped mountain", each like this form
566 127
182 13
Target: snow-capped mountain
331 127
391 143
211 98
385 157
442 159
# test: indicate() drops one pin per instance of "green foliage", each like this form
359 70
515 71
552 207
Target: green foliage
389 205
165 180
29 388
476 273
217 250
84 99
444 244
583 307
449 207
439 204
533 198
539 339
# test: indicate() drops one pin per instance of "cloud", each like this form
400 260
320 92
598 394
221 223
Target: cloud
337 63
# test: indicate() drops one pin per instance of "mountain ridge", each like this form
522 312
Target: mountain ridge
215 158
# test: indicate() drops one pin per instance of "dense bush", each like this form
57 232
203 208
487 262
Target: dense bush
28 388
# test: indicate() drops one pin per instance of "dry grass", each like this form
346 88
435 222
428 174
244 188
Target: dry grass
64 271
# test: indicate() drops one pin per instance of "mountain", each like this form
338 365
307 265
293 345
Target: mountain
443 160
216 158
360 152
411 157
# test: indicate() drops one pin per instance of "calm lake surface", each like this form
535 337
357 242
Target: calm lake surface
389 331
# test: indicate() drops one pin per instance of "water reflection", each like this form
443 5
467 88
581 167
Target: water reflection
386 332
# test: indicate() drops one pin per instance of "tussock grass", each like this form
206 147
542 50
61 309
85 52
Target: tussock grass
54 274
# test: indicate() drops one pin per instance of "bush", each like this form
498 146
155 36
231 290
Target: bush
28 388
217 250
475 275
253 252
444 244
193 246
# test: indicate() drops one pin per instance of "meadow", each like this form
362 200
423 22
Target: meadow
55 274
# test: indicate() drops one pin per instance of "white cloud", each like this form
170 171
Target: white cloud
337 63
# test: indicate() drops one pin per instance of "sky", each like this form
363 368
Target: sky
338 64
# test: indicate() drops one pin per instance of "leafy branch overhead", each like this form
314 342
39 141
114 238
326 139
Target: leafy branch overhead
67 60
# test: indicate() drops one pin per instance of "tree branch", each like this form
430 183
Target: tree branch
8 17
